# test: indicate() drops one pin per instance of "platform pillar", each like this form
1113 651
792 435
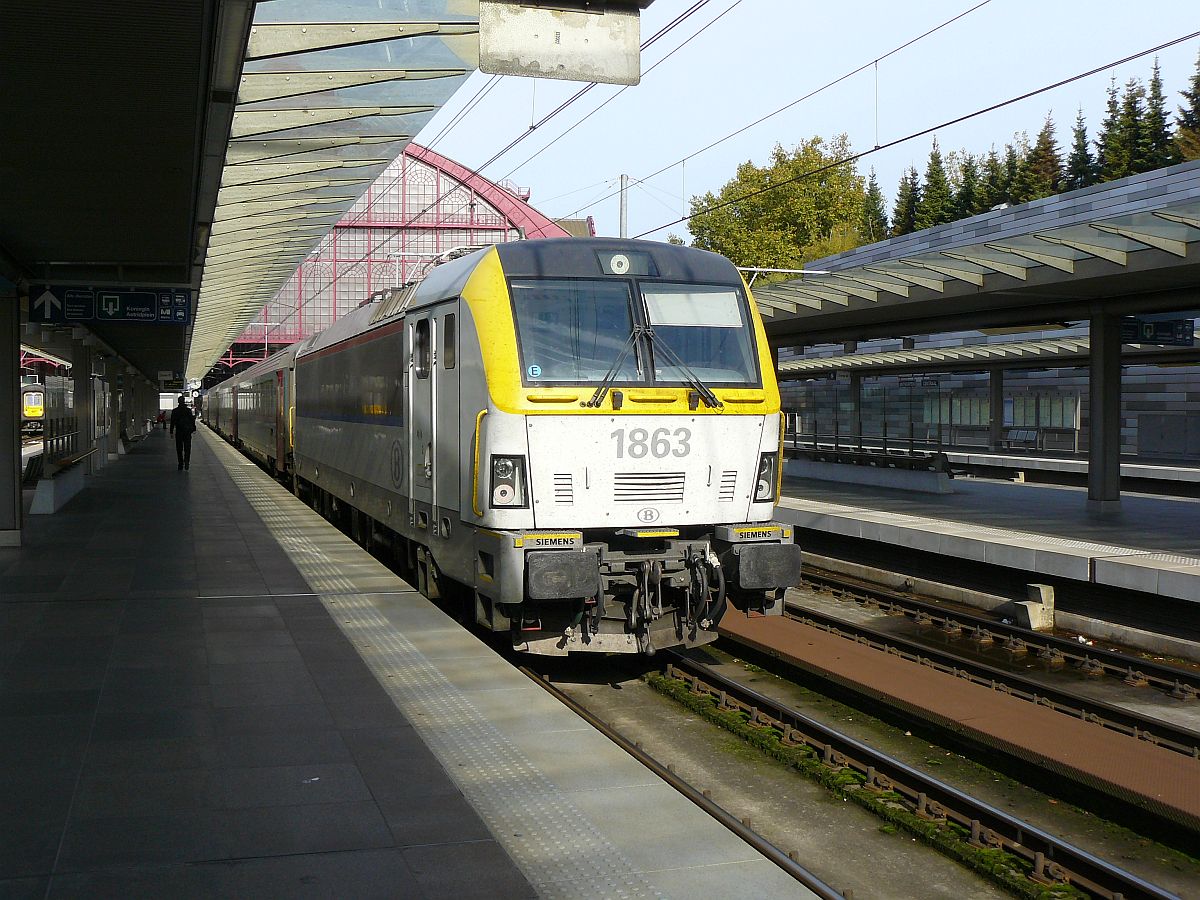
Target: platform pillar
856 406
1104 404
81 379
10 425
996 405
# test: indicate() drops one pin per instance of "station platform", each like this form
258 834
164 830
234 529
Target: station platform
1149 544
1068 465
207 690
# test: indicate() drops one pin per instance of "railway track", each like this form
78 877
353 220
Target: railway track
701 798
1181 684
1049 859
1152 730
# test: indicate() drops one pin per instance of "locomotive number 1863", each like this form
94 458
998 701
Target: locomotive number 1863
637 443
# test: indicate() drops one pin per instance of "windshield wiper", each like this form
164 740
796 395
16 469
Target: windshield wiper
705 392
610 377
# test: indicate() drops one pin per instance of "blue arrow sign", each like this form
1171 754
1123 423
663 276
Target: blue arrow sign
66 305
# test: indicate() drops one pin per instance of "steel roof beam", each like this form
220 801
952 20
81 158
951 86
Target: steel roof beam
1170 245
1179 218
1113 255
260 149
933 284
251 122
1062 263
287 38
975 278
900 290
259 86
1003 268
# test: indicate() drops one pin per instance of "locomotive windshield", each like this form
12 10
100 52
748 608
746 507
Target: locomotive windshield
573 330
708 330
578 331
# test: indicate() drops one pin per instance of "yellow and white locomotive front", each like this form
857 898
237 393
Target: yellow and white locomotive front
626 459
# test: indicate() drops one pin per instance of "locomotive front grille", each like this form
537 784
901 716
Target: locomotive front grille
564 489
644 487
728 486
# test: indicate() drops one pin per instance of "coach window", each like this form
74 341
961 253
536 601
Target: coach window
448 341
421 348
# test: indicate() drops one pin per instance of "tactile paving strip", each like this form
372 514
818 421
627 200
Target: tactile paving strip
561 853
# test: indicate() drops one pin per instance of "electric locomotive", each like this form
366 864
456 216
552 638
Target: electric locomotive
580 437
32 400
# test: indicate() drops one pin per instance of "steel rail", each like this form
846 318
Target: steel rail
698 797
1179 683
1050 858
1107 715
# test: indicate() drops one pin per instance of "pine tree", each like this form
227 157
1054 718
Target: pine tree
992 190
908 197
969 195
1012 167
936 205
874 224
1108 140
1081 167
1160 147
1187 121
1041 169
1123 147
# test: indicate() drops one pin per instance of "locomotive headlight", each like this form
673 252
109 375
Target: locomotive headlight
764 481
508 481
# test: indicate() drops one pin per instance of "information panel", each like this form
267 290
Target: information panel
67 305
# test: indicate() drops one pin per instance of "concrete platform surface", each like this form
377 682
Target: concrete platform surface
1149 544
207 690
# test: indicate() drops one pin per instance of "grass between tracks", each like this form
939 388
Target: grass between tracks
1009 871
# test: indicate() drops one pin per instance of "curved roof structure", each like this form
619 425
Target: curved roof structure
1131 245
421 207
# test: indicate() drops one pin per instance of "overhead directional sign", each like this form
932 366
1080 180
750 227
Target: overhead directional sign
153 306
1164 332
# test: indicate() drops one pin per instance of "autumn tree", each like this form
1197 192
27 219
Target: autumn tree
767 215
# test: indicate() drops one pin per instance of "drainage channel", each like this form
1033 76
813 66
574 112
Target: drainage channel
1152 730
1181 684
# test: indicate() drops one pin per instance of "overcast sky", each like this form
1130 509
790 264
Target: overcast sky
764 54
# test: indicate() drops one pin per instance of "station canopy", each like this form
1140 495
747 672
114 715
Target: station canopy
1033 354
1121 248
329 95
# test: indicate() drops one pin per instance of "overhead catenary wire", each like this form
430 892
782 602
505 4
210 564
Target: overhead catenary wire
479 95
854 157
808 96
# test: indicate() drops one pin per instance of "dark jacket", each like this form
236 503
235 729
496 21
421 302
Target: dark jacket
183 420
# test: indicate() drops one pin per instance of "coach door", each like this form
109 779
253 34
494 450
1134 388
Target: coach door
421 400
280 426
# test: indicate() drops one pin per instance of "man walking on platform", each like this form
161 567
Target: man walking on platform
183 424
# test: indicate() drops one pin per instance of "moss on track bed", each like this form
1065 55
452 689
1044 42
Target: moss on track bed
1002 868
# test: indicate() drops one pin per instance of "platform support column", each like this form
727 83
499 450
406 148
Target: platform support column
856 407
81 379
10 425
1104 403
996 406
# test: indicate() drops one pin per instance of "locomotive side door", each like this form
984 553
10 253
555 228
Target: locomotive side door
421 400
446 410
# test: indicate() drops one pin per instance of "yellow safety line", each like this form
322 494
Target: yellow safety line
475 472
779 461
